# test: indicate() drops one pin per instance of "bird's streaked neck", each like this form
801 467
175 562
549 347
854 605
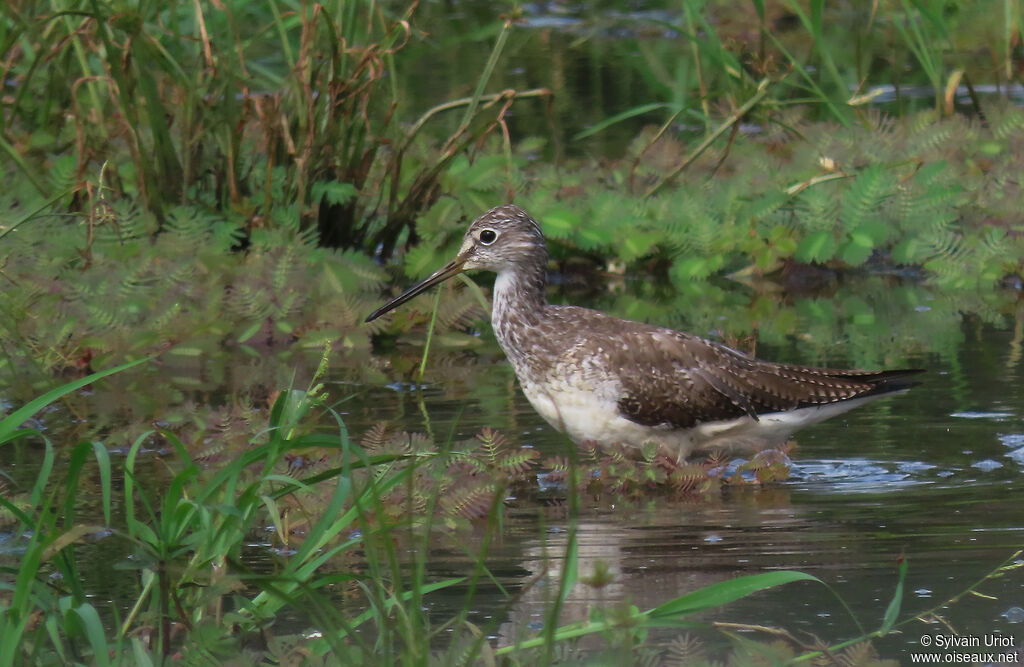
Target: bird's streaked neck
519 299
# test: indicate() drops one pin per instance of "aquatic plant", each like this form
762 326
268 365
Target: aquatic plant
231 191
91 293
900 193
278 113
832 59
172 173
331 506
614 476
185 545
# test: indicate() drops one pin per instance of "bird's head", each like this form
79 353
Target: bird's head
497 241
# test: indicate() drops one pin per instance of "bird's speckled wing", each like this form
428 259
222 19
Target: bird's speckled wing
678 380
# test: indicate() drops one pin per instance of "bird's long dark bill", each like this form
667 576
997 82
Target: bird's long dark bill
444 273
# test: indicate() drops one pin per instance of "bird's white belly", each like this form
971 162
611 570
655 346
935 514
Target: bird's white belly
592 413
584 415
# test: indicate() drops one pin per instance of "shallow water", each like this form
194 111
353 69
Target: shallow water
934 476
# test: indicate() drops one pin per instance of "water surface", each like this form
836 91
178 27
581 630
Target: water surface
934 476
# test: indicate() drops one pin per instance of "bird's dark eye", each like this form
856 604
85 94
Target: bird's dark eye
488 236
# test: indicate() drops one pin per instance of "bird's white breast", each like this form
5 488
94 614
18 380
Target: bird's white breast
585 408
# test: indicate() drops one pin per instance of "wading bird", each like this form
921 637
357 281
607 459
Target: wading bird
622 383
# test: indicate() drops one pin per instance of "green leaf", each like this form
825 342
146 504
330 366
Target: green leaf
856 251
817 247
869 189
619 117
928 172
43 476
404 596
670 612
876 230
422 260
9 425
893 610
819 311
485 173
725 592
637 245
593 238
570 569
764 205
560 223
250 331
186 351
103 463
689 268
786 247
90 621
861 239
336 194
858 310
440 221
909 251
759 7
991 148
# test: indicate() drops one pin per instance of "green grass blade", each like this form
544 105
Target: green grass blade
1010 30
17 158
624 115
11 422
492 62
78 457
19 610
735 117
893 610
816 21
427 588
570 568
310 555
53 624
840 113
140 653
323 530
725 592
570 562
16 512
43 476
671 612
86 613
759 8
135 527
103 462
932 11
177 510
430 334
